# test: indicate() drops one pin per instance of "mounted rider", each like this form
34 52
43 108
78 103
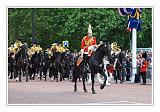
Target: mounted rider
54 47
39 48
60 48
34 48
11 49
87 42
115 48
17 46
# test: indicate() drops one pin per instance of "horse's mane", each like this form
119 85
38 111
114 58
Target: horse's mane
100 47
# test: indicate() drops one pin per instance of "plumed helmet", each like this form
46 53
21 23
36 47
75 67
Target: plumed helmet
114 45
89 29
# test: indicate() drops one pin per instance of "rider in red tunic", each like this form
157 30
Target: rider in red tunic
87 41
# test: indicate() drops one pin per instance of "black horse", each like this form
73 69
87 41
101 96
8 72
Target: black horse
35 62
67 65
95 65
11 63
60 64
120 65
21 62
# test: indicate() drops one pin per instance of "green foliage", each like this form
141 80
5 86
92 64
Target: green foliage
71 24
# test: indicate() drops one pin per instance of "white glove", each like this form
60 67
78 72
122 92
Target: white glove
82 51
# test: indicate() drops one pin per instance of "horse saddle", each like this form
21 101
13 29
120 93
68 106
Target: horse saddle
79 61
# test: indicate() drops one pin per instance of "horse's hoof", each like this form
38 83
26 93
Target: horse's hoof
102 86
108 84
85 90
93 92
11 77
75 90
17 78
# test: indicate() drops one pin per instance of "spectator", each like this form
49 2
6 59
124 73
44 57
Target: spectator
128 69
143 68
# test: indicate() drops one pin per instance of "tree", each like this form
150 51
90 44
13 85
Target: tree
71 24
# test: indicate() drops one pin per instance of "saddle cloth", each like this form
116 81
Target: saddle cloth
80 59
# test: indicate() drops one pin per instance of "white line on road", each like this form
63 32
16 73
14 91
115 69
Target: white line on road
116 102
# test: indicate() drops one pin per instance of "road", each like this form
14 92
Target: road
52 92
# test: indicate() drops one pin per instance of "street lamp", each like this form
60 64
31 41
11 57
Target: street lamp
33 25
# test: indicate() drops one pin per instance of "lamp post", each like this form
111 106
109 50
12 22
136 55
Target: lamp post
33 25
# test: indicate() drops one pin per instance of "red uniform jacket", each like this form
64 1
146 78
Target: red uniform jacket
86 42
110 69
144 66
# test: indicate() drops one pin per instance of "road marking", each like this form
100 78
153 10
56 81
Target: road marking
117 102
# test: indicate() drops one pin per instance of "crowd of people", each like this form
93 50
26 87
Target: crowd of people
144 59
144 65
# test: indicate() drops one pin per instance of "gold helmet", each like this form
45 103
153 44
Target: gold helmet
39 48
114 46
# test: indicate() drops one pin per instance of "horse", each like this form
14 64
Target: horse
21 60
35 62
11 63
67 65
59 62
120 63
95 65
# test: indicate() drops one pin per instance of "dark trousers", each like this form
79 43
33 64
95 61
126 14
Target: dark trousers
85 58
143 74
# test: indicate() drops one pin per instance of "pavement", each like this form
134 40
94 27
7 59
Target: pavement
61 93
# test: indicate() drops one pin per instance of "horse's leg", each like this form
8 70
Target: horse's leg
50 72
11 70
89 78
20 73
75 84
41 73
120 75
23 71
92 78
33 72
30 73
99 79
26 71
116 75
105 79
84 78
16 73
45 74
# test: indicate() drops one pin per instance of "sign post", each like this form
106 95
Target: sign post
65 43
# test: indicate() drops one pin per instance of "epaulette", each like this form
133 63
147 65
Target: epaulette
84 37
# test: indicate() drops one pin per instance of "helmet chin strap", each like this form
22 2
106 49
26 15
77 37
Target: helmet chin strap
89 34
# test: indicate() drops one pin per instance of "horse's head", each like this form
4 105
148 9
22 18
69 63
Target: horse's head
105 50
122 56
24 48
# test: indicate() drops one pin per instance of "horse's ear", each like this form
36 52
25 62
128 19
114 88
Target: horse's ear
107 43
